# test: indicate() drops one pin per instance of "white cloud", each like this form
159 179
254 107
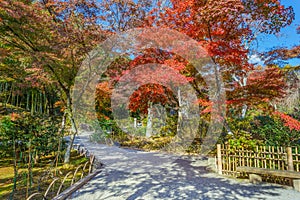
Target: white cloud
256 60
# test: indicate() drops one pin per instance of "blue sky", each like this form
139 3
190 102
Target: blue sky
288 36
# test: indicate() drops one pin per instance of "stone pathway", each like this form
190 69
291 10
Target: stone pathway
131 174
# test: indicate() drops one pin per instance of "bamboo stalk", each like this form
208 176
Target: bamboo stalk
219 159
32 102
297 159
290 159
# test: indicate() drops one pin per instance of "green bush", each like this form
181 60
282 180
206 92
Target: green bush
243 139
273 132
25 130
241 129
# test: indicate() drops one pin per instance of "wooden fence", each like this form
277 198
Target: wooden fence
279 158
90 165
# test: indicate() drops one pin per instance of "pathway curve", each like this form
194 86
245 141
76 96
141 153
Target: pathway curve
131 174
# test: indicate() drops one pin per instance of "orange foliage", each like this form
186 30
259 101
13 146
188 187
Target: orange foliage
289 122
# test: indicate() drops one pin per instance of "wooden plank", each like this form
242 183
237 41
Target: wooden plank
65 194
281 173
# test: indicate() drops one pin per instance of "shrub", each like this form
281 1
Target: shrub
273 132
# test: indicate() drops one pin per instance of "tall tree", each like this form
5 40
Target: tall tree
56 35
226 30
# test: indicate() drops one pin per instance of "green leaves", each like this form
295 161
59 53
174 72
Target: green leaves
274 133
23 129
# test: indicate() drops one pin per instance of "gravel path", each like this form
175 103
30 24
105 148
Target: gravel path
130 174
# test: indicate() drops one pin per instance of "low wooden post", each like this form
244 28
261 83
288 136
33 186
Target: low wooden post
219 159
134 123
290 158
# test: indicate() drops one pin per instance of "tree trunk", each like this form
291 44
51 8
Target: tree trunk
32 102
61 135
45 102
27 101
15 170
5 99
73 129
17 101
228 129
28 185
41 103
179 110
149 121
10 94
244 111
68 151
36 157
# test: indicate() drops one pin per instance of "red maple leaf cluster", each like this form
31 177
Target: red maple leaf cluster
289 121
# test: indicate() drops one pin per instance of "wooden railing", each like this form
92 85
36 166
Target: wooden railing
279 158
90 165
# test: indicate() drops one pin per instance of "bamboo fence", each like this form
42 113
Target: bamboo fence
267 157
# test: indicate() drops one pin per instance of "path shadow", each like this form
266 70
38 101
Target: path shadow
144 175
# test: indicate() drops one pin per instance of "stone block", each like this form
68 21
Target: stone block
254 178
296 184
211 164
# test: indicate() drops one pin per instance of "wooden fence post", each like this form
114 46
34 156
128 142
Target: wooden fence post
219 159
290 158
